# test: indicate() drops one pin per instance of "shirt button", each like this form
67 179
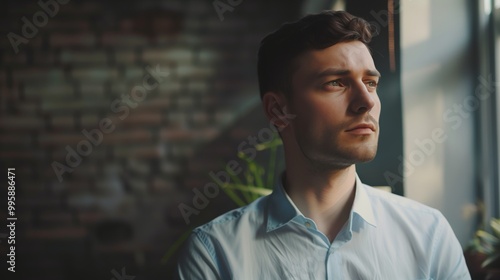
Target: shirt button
308 224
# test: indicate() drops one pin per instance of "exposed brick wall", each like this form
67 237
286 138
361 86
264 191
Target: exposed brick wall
117 207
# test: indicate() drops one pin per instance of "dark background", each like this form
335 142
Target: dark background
119 207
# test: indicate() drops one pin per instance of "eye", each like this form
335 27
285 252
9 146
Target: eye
372 84
335 83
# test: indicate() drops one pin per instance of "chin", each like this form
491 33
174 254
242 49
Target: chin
358 155
341 160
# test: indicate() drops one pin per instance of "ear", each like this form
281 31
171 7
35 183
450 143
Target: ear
274 105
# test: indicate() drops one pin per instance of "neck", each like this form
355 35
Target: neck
324 196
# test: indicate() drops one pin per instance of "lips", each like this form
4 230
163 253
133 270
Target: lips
367 126
362 129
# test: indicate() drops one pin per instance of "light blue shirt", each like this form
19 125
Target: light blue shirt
387 237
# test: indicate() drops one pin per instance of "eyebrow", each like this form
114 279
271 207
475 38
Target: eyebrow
345 72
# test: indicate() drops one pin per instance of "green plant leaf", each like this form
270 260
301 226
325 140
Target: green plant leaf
495 226
487 237
175 246
248 198
272 166
250 189
491 259
486 242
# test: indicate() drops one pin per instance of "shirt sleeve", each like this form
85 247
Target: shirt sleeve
448 258
196 261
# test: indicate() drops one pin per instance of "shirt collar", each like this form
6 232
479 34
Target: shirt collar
282 210
362 205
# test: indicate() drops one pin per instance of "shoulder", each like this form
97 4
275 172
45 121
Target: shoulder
383 197
421 229
247 217
399 206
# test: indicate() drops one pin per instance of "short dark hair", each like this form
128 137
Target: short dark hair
319 31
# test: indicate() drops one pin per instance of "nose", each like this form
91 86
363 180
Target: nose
362 100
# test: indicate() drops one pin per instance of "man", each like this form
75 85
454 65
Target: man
321 222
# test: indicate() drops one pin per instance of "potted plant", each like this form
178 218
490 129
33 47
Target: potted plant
256 180
483 253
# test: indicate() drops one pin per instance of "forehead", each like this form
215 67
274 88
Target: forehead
353 56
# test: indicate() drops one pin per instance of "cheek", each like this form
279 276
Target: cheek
375 112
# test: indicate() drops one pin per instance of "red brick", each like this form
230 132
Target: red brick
199 8
123 40
233 84
184 102
178 118
72 105
59 233
143 119
190 71
223 116
22 155
182 151
14 59
11 139
70 187
187 38
207 56
204 165
207 133
119 87
39 74
170 87
66 24
90 90
228 25
3 76
90 217
33 43
193 23
56 90
60 139
129 136
169 167
205 100
161 186
143 152
82 9
180 56
10 95
64 40
66 122
94 74
21 123
59 218
134 73
89 120
44 58
176 134
157 103
59 154
138 186
84 57
28 108
125 56
241 133
84 171
200 117
217 41
193 182
141 167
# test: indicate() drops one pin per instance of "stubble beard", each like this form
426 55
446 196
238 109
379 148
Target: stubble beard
330 156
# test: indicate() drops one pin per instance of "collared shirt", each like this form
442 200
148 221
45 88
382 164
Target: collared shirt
386 237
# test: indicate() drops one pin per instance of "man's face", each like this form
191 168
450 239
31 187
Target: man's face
334 96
